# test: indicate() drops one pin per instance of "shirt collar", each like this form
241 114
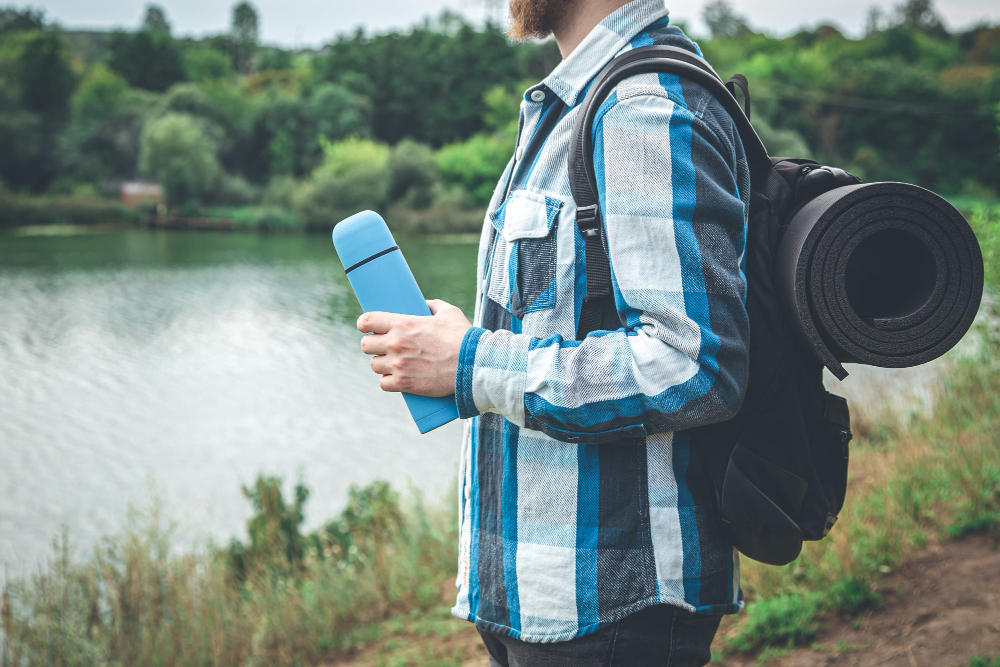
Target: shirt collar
601 44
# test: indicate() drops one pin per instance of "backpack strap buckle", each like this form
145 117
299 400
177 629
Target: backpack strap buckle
588 219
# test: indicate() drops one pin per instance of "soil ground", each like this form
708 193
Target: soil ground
941 608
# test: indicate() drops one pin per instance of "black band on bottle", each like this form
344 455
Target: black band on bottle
368 259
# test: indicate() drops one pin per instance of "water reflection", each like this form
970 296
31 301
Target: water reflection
197 359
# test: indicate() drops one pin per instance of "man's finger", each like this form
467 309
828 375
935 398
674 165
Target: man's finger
381 365
389 383
377 322
374 344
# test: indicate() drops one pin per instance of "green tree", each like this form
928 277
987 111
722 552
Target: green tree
920 15
155 19
148 59
99 95
43 75
244 34
426 84
722 20
475 165
176 151
15 20
337 112
24 160
204 63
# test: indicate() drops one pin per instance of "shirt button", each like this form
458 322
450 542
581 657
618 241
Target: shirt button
538 96
519 153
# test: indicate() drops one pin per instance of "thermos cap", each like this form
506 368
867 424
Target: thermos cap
361 236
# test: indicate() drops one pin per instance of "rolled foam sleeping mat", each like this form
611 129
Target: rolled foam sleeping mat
884 274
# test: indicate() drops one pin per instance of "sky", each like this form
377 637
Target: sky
307 23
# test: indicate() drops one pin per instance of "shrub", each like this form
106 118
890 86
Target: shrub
176 151
232 190
475 165
354 176
412 174
280 191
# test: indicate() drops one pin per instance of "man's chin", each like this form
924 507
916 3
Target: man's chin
536 18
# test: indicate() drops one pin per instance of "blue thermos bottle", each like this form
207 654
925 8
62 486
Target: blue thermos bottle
382 281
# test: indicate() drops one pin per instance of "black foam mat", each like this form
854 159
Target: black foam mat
884 274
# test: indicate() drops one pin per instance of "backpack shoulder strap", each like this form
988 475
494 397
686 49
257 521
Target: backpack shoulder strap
583 183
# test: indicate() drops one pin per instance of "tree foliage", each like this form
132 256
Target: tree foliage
427 84
722 20
16 20
439 103
244 35
155 19
149 59
177 152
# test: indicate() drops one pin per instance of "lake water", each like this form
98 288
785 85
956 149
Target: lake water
135 362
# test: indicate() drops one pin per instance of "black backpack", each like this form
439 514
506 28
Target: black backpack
779 468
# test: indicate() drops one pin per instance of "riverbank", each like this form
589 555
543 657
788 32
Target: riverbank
17 210
370 585
24 210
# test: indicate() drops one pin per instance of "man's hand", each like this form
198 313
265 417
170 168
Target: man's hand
416 354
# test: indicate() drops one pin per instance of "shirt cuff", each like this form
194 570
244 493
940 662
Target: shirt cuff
466 372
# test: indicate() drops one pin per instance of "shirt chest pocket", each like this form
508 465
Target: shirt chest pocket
522 268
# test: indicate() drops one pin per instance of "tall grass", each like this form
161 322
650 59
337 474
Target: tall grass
134 602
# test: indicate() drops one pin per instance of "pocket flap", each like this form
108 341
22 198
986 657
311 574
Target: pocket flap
526 215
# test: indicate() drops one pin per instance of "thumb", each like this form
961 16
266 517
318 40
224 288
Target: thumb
437 306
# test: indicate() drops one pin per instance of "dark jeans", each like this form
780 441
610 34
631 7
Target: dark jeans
661 635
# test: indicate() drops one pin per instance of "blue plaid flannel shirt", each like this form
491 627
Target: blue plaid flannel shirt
580 499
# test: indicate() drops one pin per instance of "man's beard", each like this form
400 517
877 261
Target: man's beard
536 18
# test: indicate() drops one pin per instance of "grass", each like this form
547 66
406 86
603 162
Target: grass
937 475
293 599
983 661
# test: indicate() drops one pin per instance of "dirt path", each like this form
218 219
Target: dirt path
941 607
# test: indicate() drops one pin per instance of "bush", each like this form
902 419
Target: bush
412 174
354 176
233 190
280 191
475 165
176 151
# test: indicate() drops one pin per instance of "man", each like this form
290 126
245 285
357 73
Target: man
588 531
